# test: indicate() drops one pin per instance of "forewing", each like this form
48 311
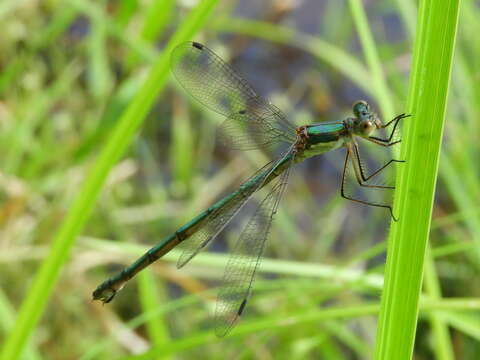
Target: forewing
209 79
254 128
218 86
245 259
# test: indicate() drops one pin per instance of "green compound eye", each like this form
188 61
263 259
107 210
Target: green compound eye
361 108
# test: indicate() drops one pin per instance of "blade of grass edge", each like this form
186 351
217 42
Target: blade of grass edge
44 281
432 60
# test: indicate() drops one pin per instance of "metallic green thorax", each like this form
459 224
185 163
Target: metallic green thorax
320 138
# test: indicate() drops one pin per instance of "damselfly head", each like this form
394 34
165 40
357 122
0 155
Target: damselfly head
366 121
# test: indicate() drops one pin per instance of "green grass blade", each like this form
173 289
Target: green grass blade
437 24
149 288
100 79
43 283
407 11
443 349
378 81
155 22
7 314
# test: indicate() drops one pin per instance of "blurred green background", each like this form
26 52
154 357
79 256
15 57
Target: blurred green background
68 69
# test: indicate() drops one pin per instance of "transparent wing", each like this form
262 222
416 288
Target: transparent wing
218 86
213 224
220 214
243 263
254 128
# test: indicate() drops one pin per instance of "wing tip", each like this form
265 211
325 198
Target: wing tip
242 307
197 45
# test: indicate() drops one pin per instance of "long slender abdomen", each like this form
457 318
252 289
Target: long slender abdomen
107 290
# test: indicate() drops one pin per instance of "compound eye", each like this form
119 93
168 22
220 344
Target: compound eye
360 108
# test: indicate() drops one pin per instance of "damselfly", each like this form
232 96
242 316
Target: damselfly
252 123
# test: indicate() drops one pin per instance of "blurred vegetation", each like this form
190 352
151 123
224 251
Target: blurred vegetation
69 69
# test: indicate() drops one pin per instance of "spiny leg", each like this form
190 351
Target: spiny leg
362 174
359 181
387 142
396 119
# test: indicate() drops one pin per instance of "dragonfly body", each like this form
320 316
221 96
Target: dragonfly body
251 123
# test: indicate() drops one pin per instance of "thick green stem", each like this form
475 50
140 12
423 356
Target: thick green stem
432 60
